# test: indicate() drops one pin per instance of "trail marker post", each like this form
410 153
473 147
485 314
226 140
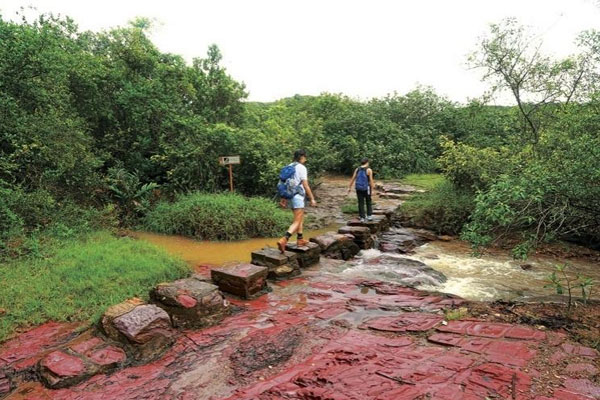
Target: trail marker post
230 161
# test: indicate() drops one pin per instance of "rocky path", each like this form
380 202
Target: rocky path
311 333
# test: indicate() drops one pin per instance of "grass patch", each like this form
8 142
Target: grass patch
423 181
443 209
218 217
80 280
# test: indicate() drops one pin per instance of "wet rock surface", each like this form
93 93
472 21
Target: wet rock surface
281 265
60 369
308 254
5 384
326 337
362 235
243 280
191 302
337 246
402 240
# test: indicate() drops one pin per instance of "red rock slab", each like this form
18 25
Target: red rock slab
61 369
560 394
25 350
582 386
405 322
110 356
576 350
524 333
511 353
474 345
581 369
497 379
87 345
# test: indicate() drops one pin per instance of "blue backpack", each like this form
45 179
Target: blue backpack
286 187
362 179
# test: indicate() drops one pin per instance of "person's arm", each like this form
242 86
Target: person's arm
352 180
371 180
309 192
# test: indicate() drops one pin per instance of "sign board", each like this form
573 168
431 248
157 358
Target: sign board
229 160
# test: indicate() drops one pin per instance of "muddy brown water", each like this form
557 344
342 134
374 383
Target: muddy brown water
197 252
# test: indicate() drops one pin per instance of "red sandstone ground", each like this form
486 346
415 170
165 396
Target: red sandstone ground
323 337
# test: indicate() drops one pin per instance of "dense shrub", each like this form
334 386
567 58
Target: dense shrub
218 217
444 209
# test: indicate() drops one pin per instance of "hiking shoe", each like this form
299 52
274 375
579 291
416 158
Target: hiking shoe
281 244
301 242
362 220
370 218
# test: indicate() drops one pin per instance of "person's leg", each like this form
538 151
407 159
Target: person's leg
369 206
296 224
361 203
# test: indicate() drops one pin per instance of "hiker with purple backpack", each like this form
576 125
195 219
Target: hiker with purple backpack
363 177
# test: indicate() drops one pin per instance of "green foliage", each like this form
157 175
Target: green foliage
133 196
218 217
80 280
560 281
443 209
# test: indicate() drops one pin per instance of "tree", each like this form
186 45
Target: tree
512 60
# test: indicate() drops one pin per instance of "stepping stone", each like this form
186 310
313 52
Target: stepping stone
243 280
336 245
307 255
362 235
60 369
5 385
273 259
191 302
378 224
394 196
145 328
387 213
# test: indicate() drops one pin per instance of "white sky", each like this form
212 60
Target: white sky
360 48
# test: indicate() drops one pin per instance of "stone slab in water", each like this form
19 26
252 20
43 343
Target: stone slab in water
379 223
388 213
274 260
308 254
243 280
359 232
336 245
272 257
191 302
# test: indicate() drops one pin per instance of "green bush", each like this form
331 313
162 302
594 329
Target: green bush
444 209
80 280
218 217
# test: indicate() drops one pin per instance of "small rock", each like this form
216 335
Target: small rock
526 267
59 369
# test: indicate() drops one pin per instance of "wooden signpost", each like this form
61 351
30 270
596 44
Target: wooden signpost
230 161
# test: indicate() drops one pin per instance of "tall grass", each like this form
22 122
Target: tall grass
80 280
218 217
423 181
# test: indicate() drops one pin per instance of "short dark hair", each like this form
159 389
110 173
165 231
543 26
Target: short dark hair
364 161
299 154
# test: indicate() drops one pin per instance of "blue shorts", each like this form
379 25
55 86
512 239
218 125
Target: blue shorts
297 202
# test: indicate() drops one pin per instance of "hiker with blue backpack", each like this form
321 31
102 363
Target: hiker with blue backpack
292 189
363 177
